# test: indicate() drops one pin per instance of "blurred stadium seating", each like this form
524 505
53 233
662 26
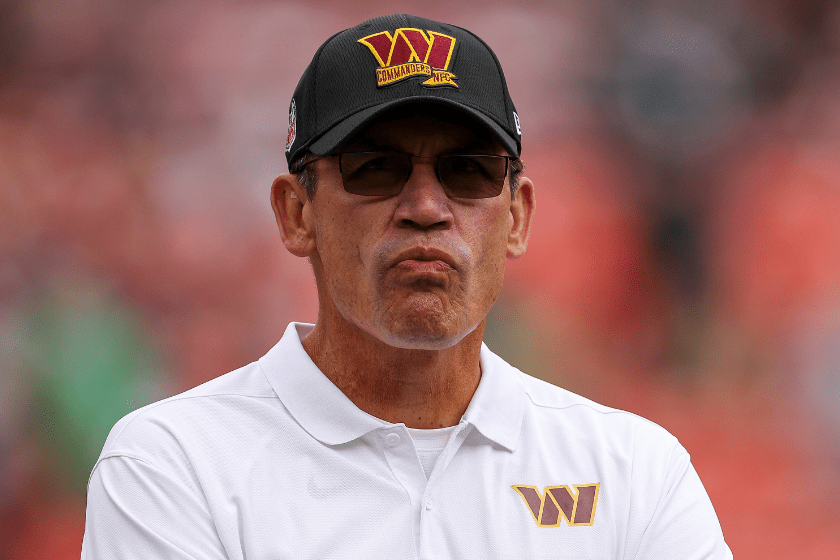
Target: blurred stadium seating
684 265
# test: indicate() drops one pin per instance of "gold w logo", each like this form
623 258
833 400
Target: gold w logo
559 502
412 52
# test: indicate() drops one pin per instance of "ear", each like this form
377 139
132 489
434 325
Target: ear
292 210
522 210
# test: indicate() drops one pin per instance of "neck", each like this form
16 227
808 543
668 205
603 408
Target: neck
420 388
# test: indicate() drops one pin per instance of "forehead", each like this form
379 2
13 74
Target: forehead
446 129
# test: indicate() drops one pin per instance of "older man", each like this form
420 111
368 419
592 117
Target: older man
387 429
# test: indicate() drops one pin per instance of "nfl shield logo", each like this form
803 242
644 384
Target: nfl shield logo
290 138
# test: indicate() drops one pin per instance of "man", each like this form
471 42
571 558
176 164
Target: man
387 430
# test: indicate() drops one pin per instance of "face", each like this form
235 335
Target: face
419 269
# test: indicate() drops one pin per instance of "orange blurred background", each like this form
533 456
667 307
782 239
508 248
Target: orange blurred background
684 263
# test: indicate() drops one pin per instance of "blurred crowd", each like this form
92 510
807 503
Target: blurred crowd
684 263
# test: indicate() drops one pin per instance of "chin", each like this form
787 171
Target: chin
423 321
423 332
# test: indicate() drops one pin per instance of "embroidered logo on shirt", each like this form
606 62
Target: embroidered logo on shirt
412 52
556 503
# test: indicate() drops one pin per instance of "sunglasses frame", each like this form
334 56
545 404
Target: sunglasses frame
508 160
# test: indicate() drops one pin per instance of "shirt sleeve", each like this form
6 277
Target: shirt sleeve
683 523
137 511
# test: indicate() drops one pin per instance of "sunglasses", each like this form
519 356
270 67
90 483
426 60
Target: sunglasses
386 173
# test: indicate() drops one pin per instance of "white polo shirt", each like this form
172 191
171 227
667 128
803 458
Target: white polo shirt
272 461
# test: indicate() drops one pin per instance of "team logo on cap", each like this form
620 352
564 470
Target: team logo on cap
290 137
412 52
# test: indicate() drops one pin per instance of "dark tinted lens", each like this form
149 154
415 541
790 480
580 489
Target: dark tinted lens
374 173
473 176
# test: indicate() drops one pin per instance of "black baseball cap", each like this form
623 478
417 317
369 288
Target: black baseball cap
396 60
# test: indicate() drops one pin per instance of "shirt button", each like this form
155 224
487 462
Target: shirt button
392 439
429 504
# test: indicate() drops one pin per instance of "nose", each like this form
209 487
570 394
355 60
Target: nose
423 204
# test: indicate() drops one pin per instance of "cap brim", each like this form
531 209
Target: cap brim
344 130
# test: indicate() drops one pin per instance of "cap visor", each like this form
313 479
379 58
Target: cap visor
344 130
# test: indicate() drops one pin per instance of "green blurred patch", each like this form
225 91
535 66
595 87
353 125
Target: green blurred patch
92 361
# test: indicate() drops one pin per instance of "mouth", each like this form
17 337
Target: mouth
425 260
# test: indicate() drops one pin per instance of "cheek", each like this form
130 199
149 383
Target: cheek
492 231
490 245
338 248
344 249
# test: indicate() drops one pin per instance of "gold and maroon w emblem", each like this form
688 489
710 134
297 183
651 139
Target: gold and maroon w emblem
556 503
412 52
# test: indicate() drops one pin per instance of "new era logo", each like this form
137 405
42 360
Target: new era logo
412 52
557 503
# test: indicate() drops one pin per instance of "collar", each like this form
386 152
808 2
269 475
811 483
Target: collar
310 397
496 409
498 405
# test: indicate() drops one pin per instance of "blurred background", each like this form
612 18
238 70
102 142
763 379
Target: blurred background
684 263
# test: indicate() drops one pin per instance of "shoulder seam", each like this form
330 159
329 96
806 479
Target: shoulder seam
126 455
180 398
113 456
592 408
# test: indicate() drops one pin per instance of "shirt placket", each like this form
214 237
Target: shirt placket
405 465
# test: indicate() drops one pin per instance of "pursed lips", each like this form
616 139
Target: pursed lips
424 259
